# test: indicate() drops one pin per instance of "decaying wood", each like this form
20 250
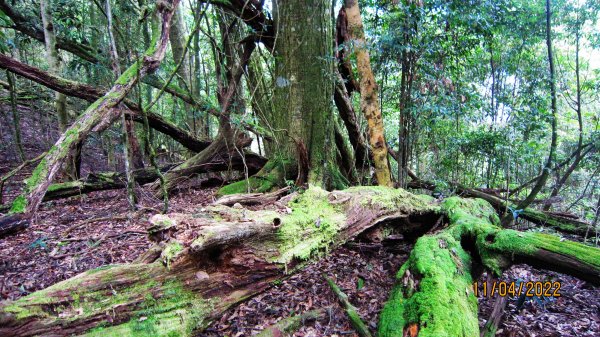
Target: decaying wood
252 198
206 266
493 322
113 180
12 224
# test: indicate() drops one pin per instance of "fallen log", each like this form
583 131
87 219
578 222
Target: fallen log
114 180
558 222
433 295
91 94
12 224
210 261
102 112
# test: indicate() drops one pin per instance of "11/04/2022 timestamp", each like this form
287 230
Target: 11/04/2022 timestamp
531 289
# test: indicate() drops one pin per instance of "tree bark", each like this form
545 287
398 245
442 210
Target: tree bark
53 61
369 101
345 108
303 89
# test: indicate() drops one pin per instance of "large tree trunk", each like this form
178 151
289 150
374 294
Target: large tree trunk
434 295
210 262
302 115
100 112
369 101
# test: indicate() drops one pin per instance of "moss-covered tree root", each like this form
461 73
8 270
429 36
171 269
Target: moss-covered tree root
210 260
433 295
273 175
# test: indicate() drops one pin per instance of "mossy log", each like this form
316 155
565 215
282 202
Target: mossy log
114 180
433 295
102 181
211 260
271 177
555 221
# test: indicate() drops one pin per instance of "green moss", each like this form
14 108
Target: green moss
272 175
166 308
129 74
437 295
171 252
312 225
177 312
433 287
18 205
391 198
38 173
60 186
252 184
496 246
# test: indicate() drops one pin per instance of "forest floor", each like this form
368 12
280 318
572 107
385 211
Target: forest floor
73 235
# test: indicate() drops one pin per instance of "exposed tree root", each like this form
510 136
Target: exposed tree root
210 261
272 176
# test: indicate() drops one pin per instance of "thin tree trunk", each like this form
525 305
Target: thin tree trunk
60 101
16 118
178 40
127 129
369 102
53 61
579 156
